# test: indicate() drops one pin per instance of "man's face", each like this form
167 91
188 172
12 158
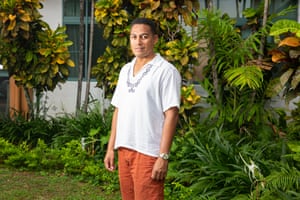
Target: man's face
142 41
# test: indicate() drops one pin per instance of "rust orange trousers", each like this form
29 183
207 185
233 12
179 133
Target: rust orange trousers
135 176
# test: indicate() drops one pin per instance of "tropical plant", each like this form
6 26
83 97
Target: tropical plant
33 54
282 183
18 129
216 164
286 58
92 126
254 16
189 110
294 123
234 80
6 149
57 131
238 73
211 167
240 156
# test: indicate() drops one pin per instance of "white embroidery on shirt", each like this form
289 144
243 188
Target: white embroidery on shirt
132 86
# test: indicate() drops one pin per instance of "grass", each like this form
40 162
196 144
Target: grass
24 185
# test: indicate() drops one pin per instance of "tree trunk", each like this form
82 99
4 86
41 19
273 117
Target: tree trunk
81 56
88 78
263 39
211 47
209 4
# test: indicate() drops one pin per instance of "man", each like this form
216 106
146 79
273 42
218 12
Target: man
146 101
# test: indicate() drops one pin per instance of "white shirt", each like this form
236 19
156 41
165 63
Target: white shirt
141 101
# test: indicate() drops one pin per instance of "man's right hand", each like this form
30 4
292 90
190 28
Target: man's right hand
109 160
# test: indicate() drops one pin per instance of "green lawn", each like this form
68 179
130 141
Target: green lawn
24 185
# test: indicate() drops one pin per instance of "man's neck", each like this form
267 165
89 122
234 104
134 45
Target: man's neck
140 62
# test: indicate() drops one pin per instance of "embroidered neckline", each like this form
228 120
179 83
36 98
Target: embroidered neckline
133 86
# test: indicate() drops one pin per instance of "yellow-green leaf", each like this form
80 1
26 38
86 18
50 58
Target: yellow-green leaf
24 26
29 56
70 63
25 18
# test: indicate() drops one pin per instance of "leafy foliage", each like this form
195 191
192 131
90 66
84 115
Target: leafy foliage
71 159
63 148
19 129
6 149
285 26
284 180
286 57
58 131
215 164
189 111
33 54
250 76
234 78
106 77
294 123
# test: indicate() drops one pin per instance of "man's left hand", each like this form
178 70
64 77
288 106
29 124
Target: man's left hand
160 169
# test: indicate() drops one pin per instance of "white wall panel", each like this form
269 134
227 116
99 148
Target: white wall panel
52 12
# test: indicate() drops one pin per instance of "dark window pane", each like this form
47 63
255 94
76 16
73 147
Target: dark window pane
4 95
73 35
71 8
99 44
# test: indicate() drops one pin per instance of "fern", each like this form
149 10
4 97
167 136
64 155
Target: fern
284 180
250 76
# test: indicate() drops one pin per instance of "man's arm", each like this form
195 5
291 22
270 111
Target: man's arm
109 160
160 168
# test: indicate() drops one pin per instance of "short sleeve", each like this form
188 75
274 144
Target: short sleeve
170 89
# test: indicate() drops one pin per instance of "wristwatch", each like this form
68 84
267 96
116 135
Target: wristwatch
164 156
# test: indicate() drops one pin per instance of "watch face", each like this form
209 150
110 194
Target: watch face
164 156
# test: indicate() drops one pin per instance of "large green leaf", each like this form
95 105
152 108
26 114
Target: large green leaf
284 26
285 77
250 76
274 87
296 79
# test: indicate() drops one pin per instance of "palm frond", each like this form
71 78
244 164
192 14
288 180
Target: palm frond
250 76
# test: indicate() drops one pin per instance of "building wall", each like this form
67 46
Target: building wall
298 10
63 99
52 12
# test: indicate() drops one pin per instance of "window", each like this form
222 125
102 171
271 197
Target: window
4 91
71 19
